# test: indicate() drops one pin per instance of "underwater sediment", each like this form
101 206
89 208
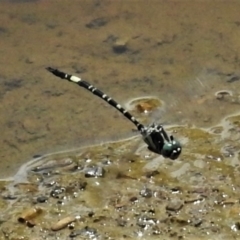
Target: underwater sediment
120 190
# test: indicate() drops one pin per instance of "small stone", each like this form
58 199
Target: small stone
86 232
196 222
94 171
144 221
237 225
174 205
42 199
121 222
147 193
82 185
57 192
120 46
133 199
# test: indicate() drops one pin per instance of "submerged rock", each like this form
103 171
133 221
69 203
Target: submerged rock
94 171
120 45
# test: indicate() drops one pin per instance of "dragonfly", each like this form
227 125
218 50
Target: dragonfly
154 135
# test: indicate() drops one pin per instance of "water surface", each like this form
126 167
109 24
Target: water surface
170 47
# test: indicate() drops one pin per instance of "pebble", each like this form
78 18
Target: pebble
174 205
147 193
57 191
120 46
42 199
144 221
91 233
121 222
94 171
196 222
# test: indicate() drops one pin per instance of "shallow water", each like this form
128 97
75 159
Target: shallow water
179 52
170 47
120 190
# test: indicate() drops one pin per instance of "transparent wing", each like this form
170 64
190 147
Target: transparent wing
202 101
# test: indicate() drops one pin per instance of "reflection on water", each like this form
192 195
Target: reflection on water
165 49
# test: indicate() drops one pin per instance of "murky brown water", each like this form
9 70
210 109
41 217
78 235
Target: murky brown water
170 46
181 52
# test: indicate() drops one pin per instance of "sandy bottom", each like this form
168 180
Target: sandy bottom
120 190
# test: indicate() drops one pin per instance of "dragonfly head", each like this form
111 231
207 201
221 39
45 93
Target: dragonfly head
171 149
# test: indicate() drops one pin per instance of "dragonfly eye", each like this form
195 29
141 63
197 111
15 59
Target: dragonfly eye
171 149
